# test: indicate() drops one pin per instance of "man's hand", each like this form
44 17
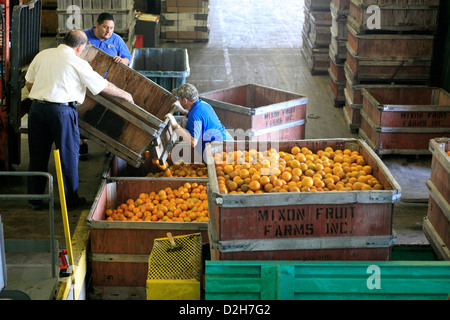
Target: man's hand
172 120
118 59
176 107
128 97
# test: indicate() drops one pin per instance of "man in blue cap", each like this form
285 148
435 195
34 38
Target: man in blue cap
203 125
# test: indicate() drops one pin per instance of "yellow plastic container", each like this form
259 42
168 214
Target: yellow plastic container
186 289
175 274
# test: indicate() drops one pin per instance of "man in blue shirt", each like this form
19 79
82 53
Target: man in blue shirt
203 125
103 37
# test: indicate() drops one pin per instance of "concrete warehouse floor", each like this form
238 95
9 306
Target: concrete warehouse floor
250 42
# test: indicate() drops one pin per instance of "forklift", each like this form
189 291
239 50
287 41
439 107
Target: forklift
20 26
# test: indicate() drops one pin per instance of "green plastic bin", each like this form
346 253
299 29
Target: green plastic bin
167 67
327 280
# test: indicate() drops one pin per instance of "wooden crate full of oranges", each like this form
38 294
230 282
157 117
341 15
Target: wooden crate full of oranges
127 215
306 200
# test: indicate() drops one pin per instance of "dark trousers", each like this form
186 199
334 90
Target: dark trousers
57 123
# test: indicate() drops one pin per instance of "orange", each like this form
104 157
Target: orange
255 185
264 180
243 173
296 171
277 183
307 182
228 168
367 169
232 186
295 150
286 176
294 164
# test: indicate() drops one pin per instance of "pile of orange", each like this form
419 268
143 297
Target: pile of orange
448 152
188 203
299 170
182 170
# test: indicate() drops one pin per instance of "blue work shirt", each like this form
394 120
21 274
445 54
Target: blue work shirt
114 46
204 125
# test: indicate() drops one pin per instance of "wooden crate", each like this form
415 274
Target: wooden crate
402 119
411 46
338 23
317 59
184 5
319 5
305 225
337 69
185 25
352 113
336 89
341 6
319 28
126 129
437 223
120 249
257 112
326 280
388 68
415 15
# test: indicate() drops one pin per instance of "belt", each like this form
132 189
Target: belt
72 104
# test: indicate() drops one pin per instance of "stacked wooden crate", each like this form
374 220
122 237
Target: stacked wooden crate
83 14
49 22
184 20
316 36
338 50
397 51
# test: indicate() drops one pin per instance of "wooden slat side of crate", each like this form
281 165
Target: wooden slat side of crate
388 68
336 89
185 3
339 23
338 71
185 35
201 6
440 165
353 109
393 17
319 5
391 45
342 6
438 214
317 59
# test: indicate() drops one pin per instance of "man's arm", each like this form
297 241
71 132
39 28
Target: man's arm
183 133
114 91
28 85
